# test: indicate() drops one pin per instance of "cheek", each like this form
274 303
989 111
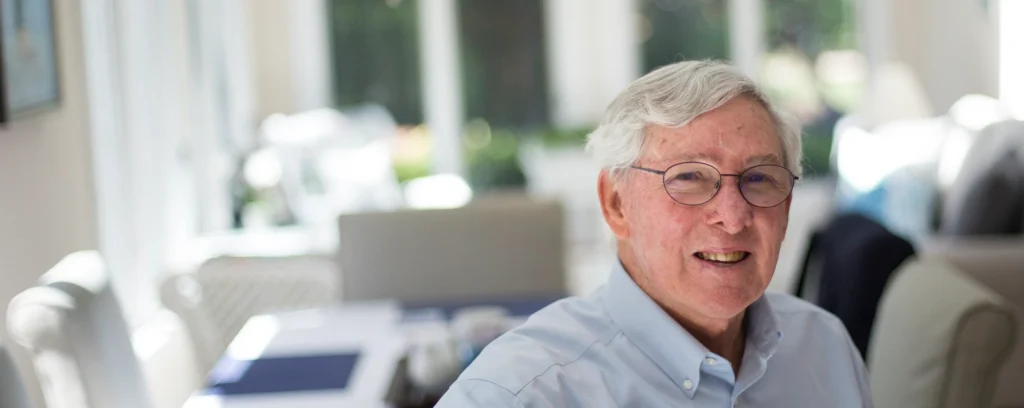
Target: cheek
662 241
772 228
665 225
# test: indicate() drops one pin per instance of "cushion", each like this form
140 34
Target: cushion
996 263
940 339
992 203
988 194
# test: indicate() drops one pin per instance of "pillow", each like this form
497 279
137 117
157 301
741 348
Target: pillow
990 202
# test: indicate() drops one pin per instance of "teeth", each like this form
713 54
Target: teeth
721 257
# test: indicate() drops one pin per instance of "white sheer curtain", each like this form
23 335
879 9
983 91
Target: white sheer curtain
169 95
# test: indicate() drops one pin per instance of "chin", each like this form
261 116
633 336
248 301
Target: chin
723 292
726 302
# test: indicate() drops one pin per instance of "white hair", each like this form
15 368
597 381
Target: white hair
674 95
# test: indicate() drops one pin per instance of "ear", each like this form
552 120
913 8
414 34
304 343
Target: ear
609 192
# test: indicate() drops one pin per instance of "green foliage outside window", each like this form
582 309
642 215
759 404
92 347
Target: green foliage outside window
677 30
796 76
375 55
504 65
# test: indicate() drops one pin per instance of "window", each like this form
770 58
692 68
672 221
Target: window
812 69
503 62
676 30
376 55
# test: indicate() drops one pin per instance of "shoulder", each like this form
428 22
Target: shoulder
798 317
557 336
815 348
789 307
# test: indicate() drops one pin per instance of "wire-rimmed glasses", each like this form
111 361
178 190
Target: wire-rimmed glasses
695 183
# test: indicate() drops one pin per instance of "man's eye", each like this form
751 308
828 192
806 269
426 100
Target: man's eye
758 178
691 176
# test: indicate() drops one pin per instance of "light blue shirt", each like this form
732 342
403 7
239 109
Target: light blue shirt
617 348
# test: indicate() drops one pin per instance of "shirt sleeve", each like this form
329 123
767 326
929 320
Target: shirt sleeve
476 393
862 375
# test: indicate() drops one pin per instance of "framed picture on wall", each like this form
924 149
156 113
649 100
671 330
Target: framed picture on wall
29 83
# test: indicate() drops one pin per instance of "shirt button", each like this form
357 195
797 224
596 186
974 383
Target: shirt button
710 361
688 384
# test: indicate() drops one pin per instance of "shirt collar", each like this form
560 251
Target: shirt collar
763 330
667 343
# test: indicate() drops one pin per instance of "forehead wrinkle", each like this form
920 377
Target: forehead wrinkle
770 158
654 150
721 144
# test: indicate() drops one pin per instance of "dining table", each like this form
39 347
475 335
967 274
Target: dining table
346 355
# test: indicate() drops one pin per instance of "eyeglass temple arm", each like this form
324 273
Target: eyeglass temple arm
658 172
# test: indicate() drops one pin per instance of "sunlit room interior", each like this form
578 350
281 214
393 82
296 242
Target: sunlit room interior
324 203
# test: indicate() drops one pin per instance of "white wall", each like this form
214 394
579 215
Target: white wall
440 75
310 54
1011 55
271 55
952 45
47 207
592 54
291 59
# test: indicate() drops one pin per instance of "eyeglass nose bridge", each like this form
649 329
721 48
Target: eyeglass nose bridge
718 184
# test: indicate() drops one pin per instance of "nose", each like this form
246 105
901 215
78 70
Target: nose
728 209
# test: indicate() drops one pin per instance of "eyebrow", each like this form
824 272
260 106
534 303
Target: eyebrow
764 159
770 158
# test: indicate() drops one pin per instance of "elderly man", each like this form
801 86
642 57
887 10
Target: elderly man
698 171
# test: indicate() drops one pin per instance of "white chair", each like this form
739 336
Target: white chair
12 390
996 263
167 356
945 339
218 298
491 248
72 327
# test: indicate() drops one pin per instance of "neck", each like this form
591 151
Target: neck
725 337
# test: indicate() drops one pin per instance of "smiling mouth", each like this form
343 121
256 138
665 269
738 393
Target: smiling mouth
726 258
